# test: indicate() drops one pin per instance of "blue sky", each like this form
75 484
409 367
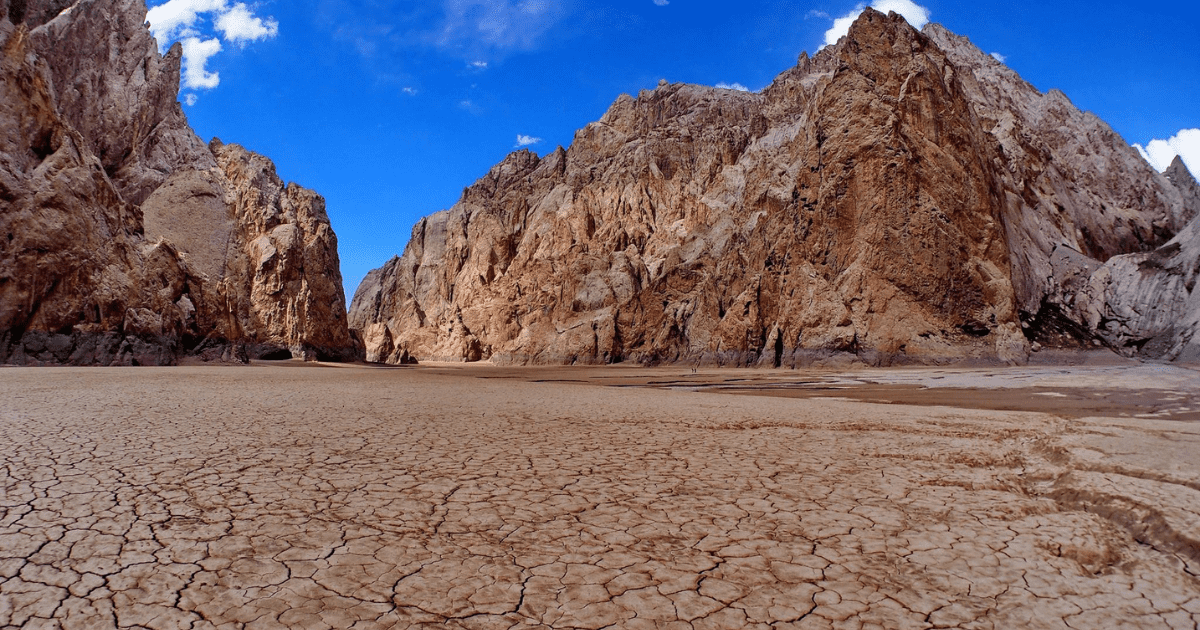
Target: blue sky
389 108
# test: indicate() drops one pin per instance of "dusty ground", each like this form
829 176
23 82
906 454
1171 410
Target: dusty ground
277 496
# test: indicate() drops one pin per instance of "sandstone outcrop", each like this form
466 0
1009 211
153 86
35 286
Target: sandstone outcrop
124 239
899 197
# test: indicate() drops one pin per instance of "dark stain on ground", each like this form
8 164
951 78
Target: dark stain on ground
1067 402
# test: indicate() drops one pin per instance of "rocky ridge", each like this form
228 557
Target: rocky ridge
899 197
127 240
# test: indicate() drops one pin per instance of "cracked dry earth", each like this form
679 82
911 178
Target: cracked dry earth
267 497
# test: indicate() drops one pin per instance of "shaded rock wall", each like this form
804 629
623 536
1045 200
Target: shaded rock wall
1105 248
1071 183
900 197
105 192
1146 303
112 86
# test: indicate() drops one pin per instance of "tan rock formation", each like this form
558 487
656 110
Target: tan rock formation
123 238
283 262
266 249
900 197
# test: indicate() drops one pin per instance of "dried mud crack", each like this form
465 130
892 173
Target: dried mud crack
271 497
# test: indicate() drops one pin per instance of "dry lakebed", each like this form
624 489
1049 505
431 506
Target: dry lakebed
288 495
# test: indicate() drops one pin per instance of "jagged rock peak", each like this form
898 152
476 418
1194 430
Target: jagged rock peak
1177 169
668 235
1183 179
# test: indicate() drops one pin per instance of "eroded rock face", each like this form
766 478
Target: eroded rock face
124 239
1087 217
1074 189
123 103
900 197
1146 303
1183 180
282 266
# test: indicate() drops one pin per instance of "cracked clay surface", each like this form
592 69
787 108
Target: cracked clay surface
269 497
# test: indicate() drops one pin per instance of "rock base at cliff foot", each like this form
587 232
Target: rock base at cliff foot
473 497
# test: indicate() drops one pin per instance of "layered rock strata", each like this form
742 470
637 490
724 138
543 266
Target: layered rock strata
124 239
899 197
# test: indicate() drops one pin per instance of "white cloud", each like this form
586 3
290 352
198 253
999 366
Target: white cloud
525 141
196 53
175 18
200 25
497 24
479 65
240 26
999 57
411 91
1185 144
190 99
916 15
733 86
662 3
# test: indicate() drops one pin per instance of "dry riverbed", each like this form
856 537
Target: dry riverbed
479 497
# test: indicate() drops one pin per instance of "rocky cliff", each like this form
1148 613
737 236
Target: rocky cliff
126 239
1085 213
899 197
1143 303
